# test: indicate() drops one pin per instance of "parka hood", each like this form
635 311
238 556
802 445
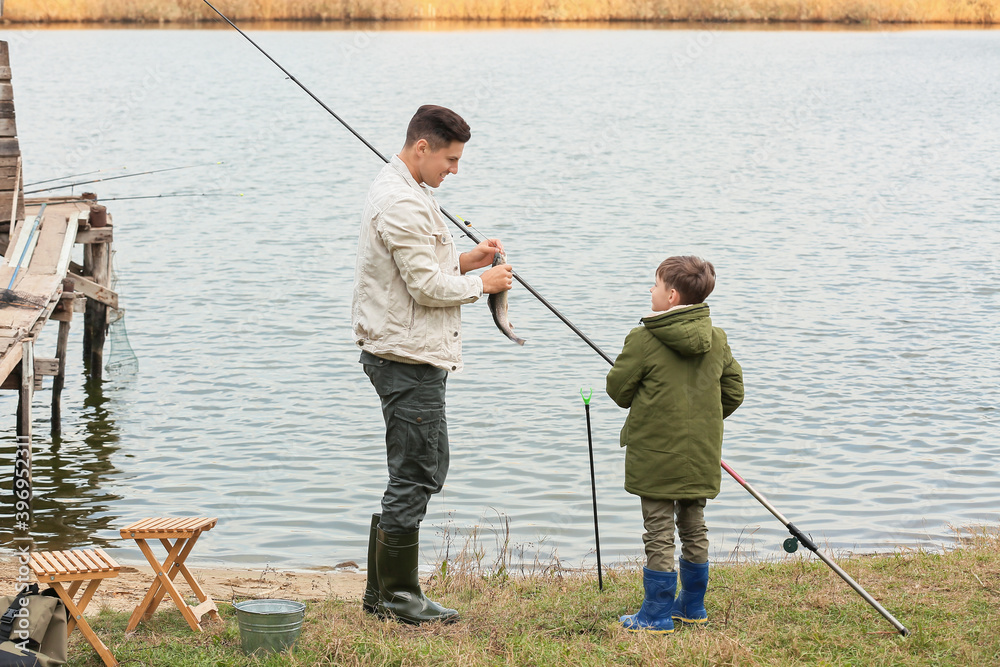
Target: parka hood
687 331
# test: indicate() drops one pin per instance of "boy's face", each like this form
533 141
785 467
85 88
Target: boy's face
663 297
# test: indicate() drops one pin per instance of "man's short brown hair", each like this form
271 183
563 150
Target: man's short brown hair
438 126
692 277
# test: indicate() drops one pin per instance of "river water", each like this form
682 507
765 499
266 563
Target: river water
845 184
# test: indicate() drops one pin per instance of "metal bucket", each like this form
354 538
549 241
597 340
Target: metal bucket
269 625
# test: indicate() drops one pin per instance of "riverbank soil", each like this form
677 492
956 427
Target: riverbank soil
795 611
124 592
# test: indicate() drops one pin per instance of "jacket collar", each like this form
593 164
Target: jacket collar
404 171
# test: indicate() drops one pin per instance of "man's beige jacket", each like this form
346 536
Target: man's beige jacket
408 287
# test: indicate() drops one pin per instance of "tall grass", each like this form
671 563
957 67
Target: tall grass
879 11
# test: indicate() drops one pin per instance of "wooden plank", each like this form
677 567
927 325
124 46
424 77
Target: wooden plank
98 235
14 251
52 239
92 290
69 238
10 360
46 366
90 564
52 562
7 109
8 127
5 72
7 203
111 562
9 146
6 92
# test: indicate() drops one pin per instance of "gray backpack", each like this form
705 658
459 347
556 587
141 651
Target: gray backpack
33 629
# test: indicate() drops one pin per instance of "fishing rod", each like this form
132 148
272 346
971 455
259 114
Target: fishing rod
115 178
27 246
468 232
466 228
168 194
63 178
791 544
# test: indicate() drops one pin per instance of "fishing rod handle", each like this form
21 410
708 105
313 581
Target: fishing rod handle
863 593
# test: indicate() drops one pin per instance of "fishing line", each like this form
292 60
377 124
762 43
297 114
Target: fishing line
115 178
466 229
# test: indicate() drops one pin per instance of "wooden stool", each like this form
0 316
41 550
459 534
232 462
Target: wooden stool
185 532
86 566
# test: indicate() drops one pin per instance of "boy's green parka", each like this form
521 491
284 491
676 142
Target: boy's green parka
678 376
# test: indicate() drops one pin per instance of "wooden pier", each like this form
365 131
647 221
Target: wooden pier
39 281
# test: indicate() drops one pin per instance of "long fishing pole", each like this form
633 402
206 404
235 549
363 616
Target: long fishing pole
115 178
63 178
799 536
59 200
465 229
27 245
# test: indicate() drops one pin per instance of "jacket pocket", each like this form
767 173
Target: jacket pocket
412 441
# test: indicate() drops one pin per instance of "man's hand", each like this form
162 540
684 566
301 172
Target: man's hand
480 256
498 279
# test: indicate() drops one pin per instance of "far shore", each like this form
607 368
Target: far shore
547 12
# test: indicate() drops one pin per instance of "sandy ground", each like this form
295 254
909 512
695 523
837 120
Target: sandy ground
124 592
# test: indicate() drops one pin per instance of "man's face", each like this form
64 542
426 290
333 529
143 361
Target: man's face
435 165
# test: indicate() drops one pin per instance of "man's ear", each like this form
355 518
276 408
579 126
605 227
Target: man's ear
421 147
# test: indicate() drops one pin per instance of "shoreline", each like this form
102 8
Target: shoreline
345 582
124 592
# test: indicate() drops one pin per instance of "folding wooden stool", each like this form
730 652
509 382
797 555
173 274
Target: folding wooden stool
185 532
88 566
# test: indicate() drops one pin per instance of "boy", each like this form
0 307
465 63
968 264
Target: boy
678 376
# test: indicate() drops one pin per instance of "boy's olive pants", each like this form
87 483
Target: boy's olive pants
658 518
416 438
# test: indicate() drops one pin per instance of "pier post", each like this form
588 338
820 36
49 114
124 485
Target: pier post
96 316
59 381
25 396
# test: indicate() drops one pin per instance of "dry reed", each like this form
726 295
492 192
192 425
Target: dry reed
876 11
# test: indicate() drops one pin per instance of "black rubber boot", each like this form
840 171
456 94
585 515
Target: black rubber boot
396 557
370 601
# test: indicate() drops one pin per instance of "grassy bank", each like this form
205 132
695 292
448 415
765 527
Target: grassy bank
891 11
794 612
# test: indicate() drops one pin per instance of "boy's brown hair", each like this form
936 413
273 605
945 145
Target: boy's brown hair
438 126
692 276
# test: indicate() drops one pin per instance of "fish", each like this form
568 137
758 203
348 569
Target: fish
498 306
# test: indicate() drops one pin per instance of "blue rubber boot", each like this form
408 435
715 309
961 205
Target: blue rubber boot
654 614
689 607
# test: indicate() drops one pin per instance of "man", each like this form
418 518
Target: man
410 283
